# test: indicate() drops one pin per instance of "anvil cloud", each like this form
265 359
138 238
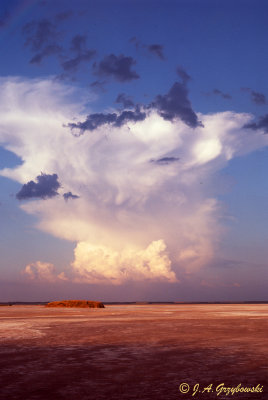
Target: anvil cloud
131 219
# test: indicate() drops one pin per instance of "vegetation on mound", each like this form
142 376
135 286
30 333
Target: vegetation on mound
76 303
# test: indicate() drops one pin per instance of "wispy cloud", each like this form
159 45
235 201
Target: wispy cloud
98 86
82 54
218 92
256 97
156 49
166 160
39 33
72 64
70 195
62 16
46 51
185 77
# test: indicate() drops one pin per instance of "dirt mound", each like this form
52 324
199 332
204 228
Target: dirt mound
76 303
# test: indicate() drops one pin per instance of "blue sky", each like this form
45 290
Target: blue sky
133 150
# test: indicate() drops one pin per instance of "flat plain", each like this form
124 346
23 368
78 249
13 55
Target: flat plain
127 352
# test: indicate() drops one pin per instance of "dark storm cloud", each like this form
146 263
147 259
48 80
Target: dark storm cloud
157 49
165 160
127 116
45 187
175 104
93 121
256 97
69 195
64 15
185 77
117 67
125 100
262 124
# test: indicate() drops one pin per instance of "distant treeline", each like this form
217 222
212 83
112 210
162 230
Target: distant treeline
23 303
184 302
42 303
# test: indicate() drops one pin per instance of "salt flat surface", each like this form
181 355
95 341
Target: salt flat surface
131 351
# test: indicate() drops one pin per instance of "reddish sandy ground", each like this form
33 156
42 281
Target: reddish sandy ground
134 352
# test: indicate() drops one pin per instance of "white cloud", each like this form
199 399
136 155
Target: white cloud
41 271
130 206
100 264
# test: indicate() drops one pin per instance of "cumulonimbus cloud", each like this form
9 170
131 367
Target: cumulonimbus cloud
132 219
101 264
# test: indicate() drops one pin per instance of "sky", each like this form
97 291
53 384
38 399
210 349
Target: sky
133 150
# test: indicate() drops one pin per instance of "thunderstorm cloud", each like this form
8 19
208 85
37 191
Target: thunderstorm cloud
135 219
